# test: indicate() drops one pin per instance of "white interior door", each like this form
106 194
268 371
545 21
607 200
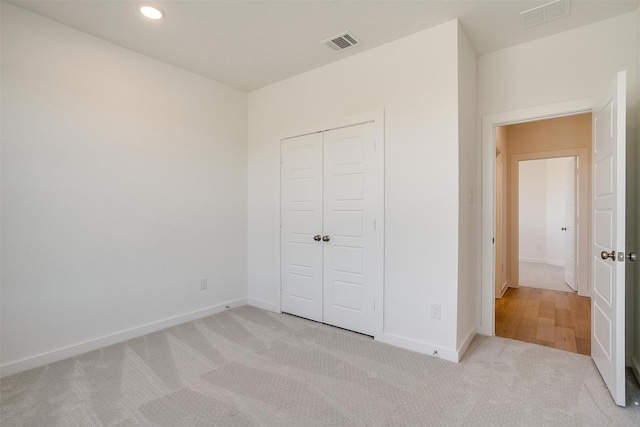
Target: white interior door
608 204
570 223
301 215
353 253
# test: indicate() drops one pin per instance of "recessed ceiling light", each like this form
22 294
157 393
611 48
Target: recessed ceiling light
152 12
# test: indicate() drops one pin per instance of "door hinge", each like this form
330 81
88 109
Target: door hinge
280 158
374 225
374 304
493 240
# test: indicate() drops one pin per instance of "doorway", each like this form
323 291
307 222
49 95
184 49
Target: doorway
547 220
608 225
542 194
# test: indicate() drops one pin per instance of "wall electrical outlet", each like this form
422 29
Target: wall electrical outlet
203 284
435 311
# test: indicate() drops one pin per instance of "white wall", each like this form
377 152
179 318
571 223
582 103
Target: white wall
571 65
123 184
469 206
532 210
415 81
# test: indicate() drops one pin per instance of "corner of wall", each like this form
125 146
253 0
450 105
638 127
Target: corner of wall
463 345
469 215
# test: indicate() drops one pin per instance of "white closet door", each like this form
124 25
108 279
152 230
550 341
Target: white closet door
301 213
353 194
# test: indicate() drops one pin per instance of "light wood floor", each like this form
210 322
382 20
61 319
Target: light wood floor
551 318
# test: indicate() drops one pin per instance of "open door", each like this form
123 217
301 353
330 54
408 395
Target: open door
570 224
608 205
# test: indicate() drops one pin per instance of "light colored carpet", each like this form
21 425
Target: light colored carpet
542 276
249 367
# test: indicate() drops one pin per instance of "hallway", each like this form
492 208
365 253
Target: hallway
551 318
543 276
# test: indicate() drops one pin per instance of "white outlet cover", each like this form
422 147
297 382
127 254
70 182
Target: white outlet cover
435 311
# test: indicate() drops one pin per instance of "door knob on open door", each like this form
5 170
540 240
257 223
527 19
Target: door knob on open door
317 237
605 255
631 256
325 238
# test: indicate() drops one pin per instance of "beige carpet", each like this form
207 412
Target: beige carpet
249 367
542 276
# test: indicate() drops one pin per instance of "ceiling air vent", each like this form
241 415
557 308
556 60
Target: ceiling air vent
545 13
341 41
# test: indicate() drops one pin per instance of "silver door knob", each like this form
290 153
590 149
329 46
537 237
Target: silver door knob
325 238
317 237
605 255
563 229
631 256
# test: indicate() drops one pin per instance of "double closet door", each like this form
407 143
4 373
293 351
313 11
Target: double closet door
332 203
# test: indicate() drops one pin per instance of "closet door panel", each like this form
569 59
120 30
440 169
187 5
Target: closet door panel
301 211
350 197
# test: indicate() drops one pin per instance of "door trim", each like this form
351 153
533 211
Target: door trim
486 314
377 118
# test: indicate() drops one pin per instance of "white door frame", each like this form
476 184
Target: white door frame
377 118
486 321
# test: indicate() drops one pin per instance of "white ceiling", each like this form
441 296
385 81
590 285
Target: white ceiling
250 44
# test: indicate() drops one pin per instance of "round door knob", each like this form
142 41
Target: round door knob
317 237
563 229
631 256
325 238
605 255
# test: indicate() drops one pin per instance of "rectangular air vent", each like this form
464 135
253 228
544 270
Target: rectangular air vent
341 42
545 13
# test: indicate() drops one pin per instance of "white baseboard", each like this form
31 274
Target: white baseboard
419 346
543 261
94 344
536 260
465 344
505 286
265 305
